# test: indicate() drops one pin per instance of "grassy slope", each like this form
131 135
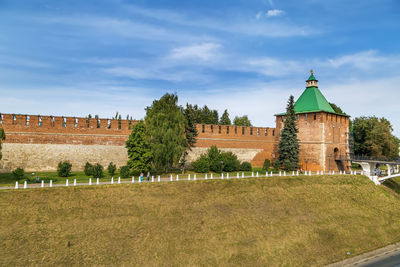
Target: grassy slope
273 221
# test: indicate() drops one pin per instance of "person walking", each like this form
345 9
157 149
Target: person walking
141 176
148 176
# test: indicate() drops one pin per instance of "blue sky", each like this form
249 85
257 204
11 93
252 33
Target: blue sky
102 56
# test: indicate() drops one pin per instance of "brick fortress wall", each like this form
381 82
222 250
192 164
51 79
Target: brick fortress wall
39 143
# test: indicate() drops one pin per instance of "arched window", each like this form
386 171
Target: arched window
40 121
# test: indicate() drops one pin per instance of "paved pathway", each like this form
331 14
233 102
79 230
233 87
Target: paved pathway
384 257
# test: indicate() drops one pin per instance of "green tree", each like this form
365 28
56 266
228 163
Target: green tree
215 158
374 137
225 120
139 152
289 144
165 125
267 164
111 169
190 133
242 121
2 138
64 169
337 109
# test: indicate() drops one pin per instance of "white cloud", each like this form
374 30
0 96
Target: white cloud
275 12
259 15
204 51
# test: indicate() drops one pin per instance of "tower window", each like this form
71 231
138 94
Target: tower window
76 123
315 116
27 120
40 121
219 129
212 128
14 119
64 122
242 130
273 132
251 131
108 124
202 128
52 120
266 131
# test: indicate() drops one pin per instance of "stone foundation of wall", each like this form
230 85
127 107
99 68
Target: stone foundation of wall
45 157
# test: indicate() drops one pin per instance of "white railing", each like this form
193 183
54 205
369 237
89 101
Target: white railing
178 178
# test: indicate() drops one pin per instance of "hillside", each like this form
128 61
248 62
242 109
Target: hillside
274 221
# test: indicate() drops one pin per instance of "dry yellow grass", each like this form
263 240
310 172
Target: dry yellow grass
264 221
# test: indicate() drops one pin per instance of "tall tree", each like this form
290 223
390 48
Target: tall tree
337 109
2 138
242 121
374 137
138 146
289 143
225 120
165 125
190 133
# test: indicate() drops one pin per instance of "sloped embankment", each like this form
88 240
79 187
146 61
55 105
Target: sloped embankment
264 221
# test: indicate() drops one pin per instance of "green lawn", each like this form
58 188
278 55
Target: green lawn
289 221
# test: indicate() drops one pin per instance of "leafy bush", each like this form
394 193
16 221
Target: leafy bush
201 165
267 164
277 165
97 171
214 158
88 169
230 162
18 173
64 169
124 171
111 168
245 166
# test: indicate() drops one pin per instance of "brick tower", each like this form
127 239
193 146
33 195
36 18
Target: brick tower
323 133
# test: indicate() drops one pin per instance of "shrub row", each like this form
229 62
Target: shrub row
218 161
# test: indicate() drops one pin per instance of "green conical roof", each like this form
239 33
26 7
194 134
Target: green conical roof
312 100
311 78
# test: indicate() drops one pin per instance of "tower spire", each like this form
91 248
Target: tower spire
312 82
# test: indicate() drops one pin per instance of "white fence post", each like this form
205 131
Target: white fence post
237 175
252 174
119 180
97 181
112 180
333 172
189 176
170 177
51 183
297 173
284 173
222 175
74 182
152 178
159 178
227 175
90 181
194 177
16 185
280 173
177 177
133 179
66 183
25 185
242 174
257 174
205 176
322 172
212 176
42 184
